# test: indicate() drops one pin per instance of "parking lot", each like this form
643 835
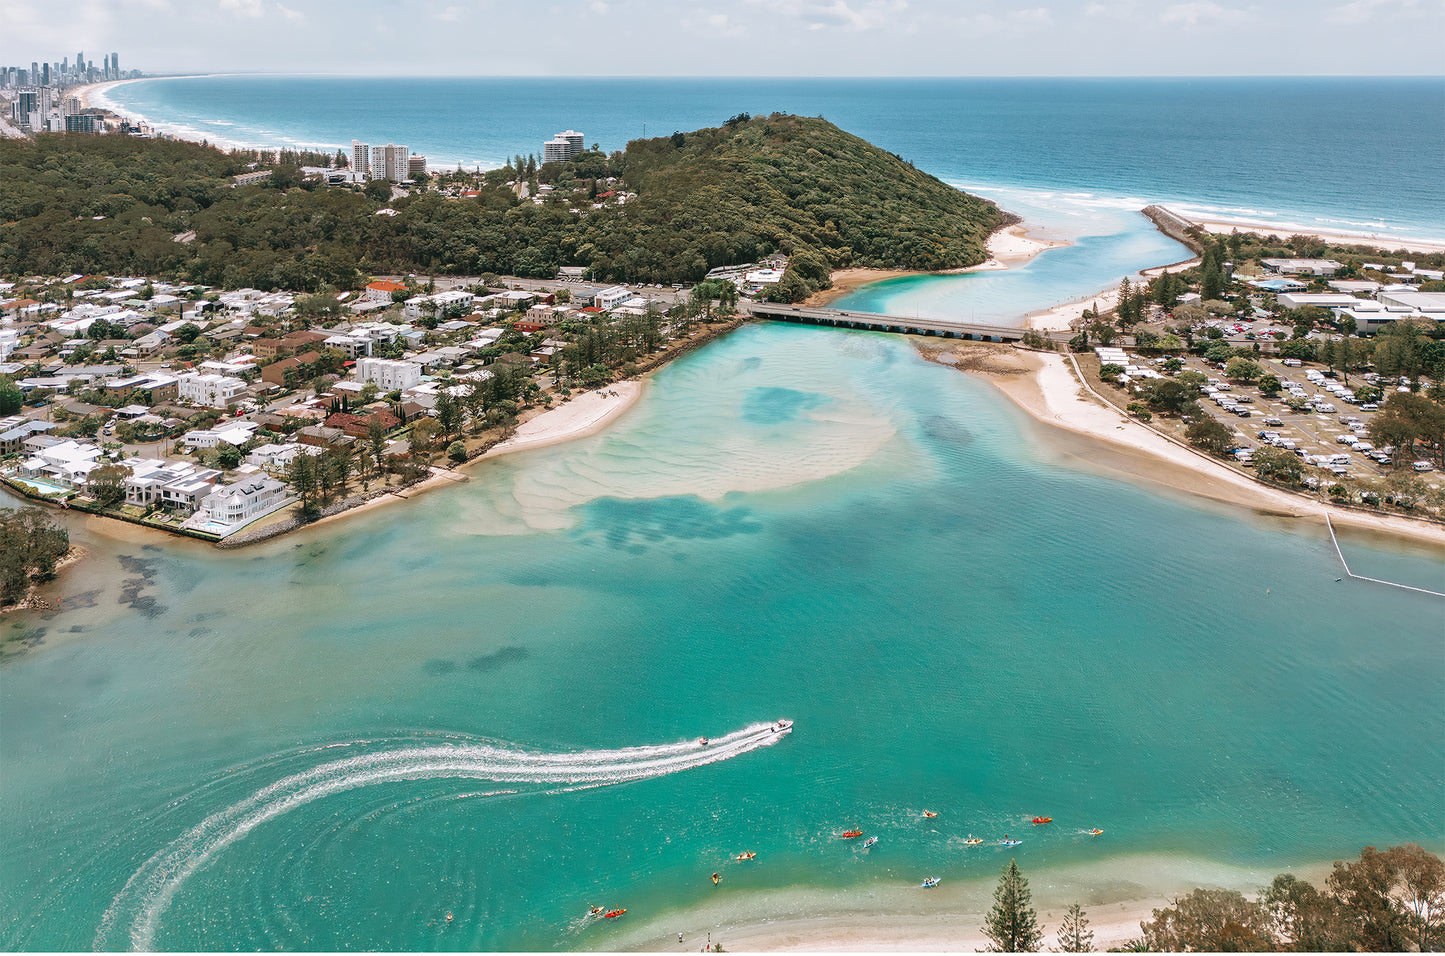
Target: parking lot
1331 433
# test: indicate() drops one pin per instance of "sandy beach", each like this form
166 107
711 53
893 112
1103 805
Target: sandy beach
1116 897
1217 225
1009 247
584 414
1045 386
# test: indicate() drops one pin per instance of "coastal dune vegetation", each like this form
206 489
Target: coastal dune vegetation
664 210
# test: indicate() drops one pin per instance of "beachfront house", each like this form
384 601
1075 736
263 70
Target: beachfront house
173 485
228 508
59 462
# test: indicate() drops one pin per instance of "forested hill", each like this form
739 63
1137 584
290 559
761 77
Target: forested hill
732 194
800 184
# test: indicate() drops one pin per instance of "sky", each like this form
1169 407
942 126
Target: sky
743 37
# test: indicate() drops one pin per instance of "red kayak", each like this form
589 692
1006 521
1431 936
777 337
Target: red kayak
850 834
611 914
1038 820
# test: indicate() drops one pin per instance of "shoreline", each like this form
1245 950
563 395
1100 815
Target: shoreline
1008 247
1043 385
891 917
1224 225
579 417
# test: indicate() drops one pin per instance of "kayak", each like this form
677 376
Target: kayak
1095 832
973 841
929 813
850 834
869 842
746 856
1009 842
613 914
1038 820
931 882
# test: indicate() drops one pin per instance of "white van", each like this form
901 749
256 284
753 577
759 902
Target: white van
1423 466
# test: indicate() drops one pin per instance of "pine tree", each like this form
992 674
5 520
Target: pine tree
1211 278
1012 925
1075 935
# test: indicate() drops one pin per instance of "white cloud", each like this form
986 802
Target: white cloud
1038 16
1192 14
450 14
294 16
1364 11
243 8
599 7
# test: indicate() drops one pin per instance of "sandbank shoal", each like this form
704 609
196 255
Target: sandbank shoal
1217 225
580 416
1044 385
1009 247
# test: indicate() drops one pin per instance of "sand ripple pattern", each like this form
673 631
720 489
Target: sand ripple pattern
134 916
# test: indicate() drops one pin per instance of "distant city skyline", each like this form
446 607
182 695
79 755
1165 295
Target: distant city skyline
748 37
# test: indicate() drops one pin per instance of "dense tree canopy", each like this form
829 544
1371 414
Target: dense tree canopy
733 194
30 546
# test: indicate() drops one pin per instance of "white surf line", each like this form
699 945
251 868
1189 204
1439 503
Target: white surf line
1360 577
149 892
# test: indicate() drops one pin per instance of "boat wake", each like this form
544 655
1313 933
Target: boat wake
134 915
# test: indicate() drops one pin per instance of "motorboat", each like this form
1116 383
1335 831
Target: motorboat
850 834
869 842
931 882
702 741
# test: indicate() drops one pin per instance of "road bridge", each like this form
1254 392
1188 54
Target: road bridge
843 319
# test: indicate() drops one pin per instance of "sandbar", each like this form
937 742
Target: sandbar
1045 386
1009 247
581 415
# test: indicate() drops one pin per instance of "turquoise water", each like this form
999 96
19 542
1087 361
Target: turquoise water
333 740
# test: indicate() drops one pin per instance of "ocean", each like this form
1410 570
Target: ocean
486 704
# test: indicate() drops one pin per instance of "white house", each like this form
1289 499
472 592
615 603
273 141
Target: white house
174 485
212 391
65 463
232 432
228 508
1318 267
388 374
611 297
423 306
279 457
